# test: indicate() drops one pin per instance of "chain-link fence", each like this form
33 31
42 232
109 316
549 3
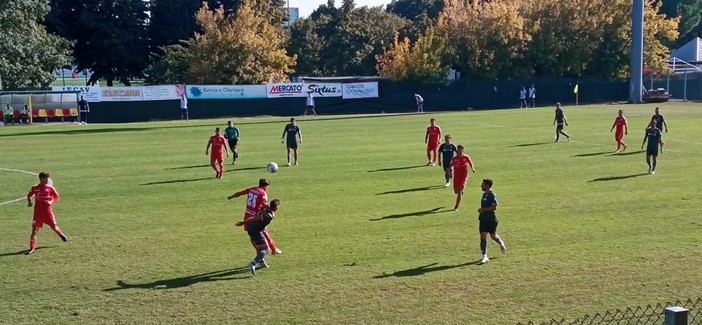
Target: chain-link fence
640 315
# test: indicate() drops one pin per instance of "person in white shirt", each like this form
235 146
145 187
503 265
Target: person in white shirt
532 96
420 103
523 98
184 108
310 104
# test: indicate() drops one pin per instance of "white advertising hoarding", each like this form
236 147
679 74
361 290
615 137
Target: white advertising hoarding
121 94
300 90
360 90
91 94
225 91
166 92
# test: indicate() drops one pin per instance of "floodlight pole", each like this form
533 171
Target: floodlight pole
635 71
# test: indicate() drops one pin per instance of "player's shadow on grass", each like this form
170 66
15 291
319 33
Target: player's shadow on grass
177 181
223 275
628 153
411 214
530 144
592 154
187 167
234 169
23 252
616 178
395 169
425 269
416 189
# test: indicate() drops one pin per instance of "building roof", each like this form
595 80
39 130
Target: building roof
690 52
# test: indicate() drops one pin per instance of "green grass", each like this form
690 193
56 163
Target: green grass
367 234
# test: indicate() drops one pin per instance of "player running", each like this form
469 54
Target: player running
218 144
622 129
231 133
45 196
292 133
460 164
560 118
488 219
257 232
654 137
447 150
256 199
432 139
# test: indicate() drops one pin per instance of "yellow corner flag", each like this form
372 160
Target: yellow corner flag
575 90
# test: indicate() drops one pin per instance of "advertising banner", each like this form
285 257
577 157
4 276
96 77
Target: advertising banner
360 90
121 94
91 94
166 92
300 90
225 91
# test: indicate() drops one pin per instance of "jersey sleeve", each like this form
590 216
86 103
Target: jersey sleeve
31 193
54 194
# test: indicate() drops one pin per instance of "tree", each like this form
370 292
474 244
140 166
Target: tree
172 21
110 36
690 13
28 54
419 63
245 48
416 9
169 67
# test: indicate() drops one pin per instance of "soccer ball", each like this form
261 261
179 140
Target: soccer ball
272 167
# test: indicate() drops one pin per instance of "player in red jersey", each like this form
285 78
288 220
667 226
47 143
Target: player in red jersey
622 129
432 139
218 143
460 164
45 196
256 200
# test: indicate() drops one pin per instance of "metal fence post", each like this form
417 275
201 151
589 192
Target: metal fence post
676 316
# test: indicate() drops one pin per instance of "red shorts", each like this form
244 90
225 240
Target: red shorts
41 219
247 217
459 183
432 146
216 157
618 136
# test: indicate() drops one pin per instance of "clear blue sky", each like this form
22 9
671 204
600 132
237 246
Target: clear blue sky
308 6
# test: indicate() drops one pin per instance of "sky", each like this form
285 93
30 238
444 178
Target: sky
308 6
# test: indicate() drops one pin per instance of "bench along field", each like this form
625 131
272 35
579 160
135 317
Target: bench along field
367 230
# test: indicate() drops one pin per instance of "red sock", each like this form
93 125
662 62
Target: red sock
32 244
269 240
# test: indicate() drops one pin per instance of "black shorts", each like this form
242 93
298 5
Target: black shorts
559 126
232 142
651 151
488 226
257 237
292 144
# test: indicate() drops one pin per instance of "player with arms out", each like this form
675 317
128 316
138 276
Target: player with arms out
256 229
432 139
45 196
447 150
231 133
622 129
560 118
460 164
488 219
256 199
654 137
292 133
218 144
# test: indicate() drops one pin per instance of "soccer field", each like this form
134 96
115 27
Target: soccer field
367 230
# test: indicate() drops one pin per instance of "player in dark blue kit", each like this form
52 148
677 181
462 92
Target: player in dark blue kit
661 124
447 151
292 133
653 135
561 119
255 228
488 219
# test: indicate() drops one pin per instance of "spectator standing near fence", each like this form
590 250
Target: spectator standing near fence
532 96
184 108
420 103
310 104
83 110
523 98
9 114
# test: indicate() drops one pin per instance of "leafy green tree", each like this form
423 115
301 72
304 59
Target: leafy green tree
109 36
169 67
690 13
419 63
28 54
416 9
244 48
172 21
